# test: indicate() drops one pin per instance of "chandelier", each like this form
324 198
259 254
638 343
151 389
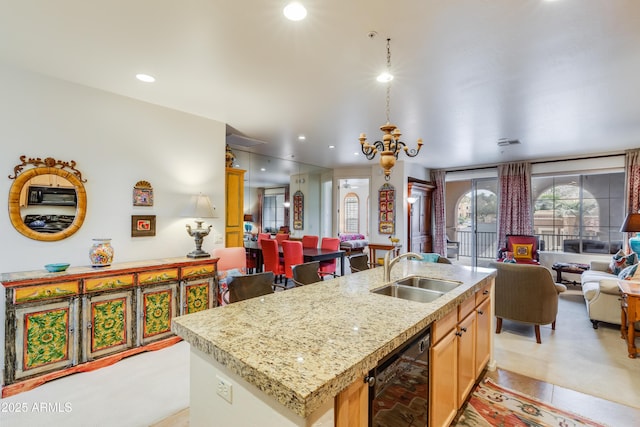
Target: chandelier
390 146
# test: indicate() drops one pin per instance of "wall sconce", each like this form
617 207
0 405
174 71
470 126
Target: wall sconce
412 199
286 204
199 207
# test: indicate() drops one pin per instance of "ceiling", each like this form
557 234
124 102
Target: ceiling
560 76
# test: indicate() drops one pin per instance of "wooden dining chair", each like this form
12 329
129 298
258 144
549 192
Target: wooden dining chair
250 286
271 259
309 241
292 252
329 267
306 273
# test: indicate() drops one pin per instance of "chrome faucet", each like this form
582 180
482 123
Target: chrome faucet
390 263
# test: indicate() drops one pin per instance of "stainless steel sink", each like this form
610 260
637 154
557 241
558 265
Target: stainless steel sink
408 293
437 285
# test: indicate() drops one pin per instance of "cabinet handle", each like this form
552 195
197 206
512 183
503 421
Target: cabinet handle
464 329
480 312
89 325
370 380
485 292
459 333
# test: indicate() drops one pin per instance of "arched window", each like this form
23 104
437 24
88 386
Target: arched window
351 213
579 213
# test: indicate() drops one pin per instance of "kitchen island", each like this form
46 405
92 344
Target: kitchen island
282 359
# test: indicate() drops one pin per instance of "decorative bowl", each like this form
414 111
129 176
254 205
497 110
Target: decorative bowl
55 268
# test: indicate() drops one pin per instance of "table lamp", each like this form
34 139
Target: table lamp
199 207
632 225
248 219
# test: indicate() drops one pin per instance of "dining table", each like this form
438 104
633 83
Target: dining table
309 254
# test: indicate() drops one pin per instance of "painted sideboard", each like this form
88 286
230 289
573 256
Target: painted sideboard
84 318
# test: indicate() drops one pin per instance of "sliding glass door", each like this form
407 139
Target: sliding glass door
472 213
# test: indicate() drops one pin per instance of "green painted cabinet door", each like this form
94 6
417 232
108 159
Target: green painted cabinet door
196 295
157 306
107 324
46 338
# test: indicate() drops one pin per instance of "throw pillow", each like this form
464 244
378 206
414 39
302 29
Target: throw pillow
223 278
620 260
524 252
628 272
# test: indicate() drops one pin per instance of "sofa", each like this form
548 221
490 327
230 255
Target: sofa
352 242
601 294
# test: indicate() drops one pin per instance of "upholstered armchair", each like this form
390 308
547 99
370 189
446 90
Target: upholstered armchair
526 293
523 249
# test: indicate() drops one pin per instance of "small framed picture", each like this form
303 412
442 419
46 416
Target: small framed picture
143 225
143 194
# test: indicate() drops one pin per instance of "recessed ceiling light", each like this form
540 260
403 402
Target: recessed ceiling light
301 138
331 147
262 169
295 11
145 78
356 154
384 77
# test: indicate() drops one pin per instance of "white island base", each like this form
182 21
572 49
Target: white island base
249 406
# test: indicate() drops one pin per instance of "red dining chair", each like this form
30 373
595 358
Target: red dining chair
292 251
309 241
262 236
329 267
271 259
281 237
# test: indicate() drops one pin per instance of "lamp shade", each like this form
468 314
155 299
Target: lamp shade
200 206
631 223
248 217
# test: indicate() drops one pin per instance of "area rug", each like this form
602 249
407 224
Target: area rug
493 405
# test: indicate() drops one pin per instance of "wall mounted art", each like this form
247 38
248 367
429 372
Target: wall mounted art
143 225
386 209
298 210
142 194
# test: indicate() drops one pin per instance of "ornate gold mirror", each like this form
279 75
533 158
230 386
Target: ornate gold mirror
47 202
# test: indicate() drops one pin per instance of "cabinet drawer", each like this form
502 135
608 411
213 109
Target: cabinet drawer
159 276
107 283
46 292
443 326
483 293
466 307
198 270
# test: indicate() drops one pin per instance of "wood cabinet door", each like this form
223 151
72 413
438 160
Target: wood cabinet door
419 220
466 356
196 295
443 371
157 307
234 224
352 406
483 335
46 338
107 324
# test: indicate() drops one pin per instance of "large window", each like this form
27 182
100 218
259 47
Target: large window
351 213
579 213
273 210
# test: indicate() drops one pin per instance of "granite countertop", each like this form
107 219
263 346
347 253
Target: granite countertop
304 345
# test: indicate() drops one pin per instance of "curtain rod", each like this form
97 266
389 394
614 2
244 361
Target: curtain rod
536 162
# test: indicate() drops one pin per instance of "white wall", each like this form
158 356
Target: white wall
116 142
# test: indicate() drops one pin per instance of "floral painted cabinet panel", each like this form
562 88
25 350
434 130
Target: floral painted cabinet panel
197 295
107 324
157 307
46 337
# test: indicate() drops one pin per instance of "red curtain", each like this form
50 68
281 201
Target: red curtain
439 219
514 213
